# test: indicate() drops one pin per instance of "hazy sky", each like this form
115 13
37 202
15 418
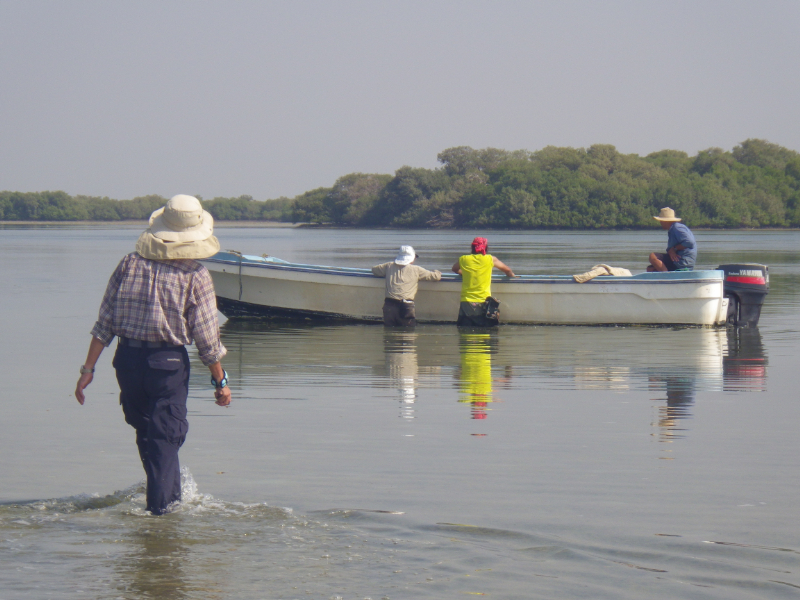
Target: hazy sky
272 99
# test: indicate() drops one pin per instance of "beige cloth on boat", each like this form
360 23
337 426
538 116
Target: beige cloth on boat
599 270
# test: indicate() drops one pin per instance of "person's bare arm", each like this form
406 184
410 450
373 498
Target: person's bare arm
673 252
457 268
502 266
95 349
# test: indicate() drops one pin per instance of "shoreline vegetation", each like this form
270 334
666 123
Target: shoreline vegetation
754 186
138 223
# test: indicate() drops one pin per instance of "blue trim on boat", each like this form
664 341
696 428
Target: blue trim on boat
271 262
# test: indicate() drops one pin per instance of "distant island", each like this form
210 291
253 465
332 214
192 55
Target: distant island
757 184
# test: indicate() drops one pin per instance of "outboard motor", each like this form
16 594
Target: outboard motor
746 286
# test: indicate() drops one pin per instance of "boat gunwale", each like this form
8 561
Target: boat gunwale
640 278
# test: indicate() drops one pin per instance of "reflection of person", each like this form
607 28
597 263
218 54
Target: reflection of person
680 393
681 246
154 568
476 373
476 283
400 352
158 300
402 279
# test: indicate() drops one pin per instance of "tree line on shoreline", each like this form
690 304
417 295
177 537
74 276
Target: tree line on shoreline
757 184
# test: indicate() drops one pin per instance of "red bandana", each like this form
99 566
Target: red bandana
479 245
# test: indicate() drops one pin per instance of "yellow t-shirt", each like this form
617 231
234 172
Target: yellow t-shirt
476 277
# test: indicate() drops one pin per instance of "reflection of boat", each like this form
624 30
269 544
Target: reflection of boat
606 358
268 286
291 361
621 358
744 368
742 364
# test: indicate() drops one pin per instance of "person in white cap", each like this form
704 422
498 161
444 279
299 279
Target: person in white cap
681 251
402 279
158 300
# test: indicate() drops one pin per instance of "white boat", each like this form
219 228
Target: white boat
266 286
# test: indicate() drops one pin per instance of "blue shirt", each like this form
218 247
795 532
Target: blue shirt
680 234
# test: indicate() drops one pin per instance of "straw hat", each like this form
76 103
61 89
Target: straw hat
406 256
181 229
666 214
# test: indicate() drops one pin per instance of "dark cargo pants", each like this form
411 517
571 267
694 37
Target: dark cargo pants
399 313
473 314
154 386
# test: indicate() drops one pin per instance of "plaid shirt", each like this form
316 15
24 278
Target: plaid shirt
161 301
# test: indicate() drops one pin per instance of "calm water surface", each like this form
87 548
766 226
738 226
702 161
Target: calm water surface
529 462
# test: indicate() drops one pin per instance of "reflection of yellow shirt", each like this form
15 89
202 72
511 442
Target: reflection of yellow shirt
476 375
476 277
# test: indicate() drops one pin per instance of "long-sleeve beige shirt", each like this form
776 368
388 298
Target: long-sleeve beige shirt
401 280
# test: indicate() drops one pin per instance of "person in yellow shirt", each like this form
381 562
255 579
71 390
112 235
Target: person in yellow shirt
476 284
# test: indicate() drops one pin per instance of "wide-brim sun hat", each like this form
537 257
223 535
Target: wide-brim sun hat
406 256
182 220
667 214
181 229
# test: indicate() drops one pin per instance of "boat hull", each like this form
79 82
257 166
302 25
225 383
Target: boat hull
266 287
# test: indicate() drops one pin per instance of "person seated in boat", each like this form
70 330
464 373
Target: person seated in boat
681 246
476 285
402 277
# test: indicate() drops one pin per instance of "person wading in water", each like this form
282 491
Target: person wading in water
158 300
476 285
401 287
